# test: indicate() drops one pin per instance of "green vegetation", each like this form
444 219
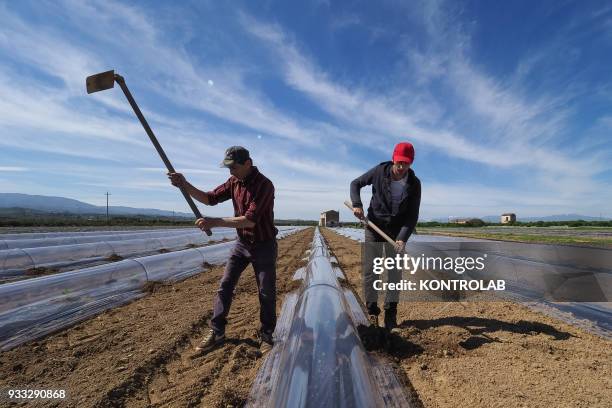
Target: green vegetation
29 218
604 241
351 224
475 222
541 239
21 217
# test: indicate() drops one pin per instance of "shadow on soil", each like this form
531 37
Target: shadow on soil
479 327
238 341
380 339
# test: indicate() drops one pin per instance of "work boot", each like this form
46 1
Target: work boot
390 319
373 312
267 341
210 341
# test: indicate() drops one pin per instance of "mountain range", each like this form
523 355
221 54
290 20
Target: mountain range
49 204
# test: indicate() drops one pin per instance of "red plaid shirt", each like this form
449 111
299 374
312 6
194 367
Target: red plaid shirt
252 197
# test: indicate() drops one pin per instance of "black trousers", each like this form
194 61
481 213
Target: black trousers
262 255
376 246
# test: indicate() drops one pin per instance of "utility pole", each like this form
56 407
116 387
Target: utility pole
107 194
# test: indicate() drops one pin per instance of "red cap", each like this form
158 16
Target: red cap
403 152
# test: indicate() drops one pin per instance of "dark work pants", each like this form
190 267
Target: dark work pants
374 251
263 257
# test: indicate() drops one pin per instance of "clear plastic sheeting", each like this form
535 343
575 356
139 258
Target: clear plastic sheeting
358 234
181 264
325 363
75 240
318 359
286 230
39 306
32 308
532 271
17 261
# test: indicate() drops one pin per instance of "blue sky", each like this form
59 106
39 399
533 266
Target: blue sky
508 104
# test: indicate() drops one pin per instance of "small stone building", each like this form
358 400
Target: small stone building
508 218
330 218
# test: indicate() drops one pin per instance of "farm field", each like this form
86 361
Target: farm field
93 229
141 354
28 255
583 236
488 354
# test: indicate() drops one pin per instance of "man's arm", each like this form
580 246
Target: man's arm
178 180
263 199
413 214
230 222
199 195
219 194
356 185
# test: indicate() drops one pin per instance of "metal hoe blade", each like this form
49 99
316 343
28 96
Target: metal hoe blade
100 82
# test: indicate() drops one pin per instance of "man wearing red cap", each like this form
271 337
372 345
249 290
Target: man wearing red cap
394 208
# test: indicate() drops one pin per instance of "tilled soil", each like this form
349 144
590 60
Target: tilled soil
489 354
142 354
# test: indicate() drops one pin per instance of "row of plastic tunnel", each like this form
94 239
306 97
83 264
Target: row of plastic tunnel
575 280
51 251
34 307
318 359
537 271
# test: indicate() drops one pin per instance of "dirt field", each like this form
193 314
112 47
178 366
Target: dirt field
494 354
141 354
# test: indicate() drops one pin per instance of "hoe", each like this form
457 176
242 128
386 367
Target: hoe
106 80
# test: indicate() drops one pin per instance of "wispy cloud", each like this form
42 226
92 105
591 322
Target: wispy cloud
519 131
310 125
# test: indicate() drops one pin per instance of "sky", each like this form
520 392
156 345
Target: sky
508 104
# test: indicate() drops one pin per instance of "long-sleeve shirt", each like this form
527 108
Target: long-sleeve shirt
253 198
399 223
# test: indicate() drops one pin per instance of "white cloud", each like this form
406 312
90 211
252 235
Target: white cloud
521 131
516 132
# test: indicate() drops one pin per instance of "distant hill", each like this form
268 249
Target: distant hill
49 204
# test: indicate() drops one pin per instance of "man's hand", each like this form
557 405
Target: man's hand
177 180
400 246
358 212
207 223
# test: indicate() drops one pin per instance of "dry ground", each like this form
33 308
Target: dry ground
141 354
493 354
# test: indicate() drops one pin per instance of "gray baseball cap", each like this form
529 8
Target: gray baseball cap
235 154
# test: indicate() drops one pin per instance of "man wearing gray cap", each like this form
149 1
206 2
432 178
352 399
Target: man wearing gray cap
252 195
